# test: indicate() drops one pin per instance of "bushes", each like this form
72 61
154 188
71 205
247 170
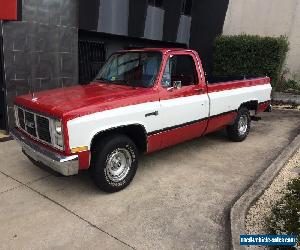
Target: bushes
250 56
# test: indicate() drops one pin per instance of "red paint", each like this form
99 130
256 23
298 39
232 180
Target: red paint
71 102
66 137
185 133
237 84
263 106
84 160
174 136
218 122
154 143
8 10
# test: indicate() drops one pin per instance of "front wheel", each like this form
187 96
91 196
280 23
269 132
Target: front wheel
241 127
114 162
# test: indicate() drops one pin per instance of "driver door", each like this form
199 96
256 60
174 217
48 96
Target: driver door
184 103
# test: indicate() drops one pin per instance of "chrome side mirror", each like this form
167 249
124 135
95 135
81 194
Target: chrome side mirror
175 85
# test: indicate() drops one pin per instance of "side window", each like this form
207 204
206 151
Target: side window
180 68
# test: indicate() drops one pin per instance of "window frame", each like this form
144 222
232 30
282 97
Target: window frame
161 64
197 71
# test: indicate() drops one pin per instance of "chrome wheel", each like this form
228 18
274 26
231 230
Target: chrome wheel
118 164
243 124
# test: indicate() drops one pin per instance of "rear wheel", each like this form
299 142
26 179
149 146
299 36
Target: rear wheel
241 127
114 162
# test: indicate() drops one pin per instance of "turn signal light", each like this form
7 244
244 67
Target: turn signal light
79 149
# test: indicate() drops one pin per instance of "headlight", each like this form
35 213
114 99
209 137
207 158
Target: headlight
58 127
57 134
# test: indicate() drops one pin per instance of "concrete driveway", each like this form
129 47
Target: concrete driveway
179 199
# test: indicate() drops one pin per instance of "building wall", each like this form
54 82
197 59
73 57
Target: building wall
113 17
207 23
268 18
40 50
154 23
165 23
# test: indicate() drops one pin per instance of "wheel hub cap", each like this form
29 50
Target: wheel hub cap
118 164
243 124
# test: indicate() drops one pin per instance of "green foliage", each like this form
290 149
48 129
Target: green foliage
285 215
288 85
250 56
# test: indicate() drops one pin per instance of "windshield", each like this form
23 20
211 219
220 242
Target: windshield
138 69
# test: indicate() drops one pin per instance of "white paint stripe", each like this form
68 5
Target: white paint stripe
172 112
83 129
228 100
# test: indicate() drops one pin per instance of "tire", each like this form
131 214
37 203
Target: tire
241 127
114 163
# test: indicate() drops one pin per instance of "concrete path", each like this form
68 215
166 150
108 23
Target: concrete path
179 199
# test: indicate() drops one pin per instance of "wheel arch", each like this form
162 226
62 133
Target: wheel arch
250 105
136 132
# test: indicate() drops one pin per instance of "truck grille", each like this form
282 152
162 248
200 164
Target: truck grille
21 118
43 128
36 125
30 123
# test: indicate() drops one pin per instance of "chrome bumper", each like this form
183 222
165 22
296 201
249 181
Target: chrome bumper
66 165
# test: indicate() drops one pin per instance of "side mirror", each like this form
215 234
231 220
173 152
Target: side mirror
175 85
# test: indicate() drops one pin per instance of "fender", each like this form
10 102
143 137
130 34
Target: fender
82 130
127 129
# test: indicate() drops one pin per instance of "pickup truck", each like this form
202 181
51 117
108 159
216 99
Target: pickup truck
141 101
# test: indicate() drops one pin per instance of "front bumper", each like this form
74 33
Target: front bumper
65 165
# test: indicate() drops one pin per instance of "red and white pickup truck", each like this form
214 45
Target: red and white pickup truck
141 101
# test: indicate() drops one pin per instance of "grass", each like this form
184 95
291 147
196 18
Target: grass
285 215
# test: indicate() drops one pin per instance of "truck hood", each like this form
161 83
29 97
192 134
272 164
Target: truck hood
81 100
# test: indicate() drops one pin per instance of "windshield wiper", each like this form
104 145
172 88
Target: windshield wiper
116 81
102 80
119 81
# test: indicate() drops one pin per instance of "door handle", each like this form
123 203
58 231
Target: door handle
155 113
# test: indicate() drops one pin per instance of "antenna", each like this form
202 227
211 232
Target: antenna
33 98
30 88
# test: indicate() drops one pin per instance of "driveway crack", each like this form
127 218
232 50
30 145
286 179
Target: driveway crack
10 189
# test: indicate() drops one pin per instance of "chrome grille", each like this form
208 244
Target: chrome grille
43 128
21 118
36 125
30 123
